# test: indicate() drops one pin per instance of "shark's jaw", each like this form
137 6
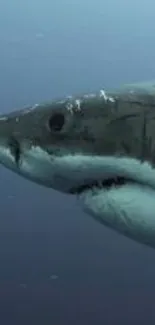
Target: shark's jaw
77 172
117 191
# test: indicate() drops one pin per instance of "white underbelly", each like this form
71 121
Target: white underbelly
129 209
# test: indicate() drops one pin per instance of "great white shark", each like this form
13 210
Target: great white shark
98 146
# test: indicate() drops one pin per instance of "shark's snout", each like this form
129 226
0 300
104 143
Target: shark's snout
25 133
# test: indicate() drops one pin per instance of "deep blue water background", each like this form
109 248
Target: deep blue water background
57 265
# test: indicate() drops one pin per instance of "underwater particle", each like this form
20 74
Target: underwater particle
11 196
53 277
23 285
39 35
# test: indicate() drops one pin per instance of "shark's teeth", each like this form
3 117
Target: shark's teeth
108 183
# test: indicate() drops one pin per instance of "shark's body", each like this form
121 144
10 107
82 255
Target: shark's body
100 147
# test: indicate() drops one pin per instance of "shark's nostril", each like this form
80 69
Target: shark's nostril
15 149
56 122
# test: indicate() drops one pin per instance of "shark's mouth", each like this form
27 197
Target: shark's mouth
105 173
107 184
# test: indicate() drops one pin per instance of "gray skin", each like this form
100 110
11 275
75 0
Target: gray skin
100 147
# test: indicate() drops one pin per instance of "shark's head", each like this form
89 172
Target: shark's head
62 144
99 146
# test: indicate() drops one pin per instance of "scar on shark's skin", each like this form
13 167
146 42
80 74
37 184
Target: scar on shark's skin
98 146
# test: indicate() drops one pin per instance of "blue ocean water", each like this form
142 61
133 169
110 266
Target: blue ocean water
57 265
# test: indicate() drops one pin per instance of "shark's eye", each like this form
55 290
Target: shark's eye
56 122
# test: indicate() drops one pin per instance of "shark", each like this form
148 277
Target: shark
99 147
